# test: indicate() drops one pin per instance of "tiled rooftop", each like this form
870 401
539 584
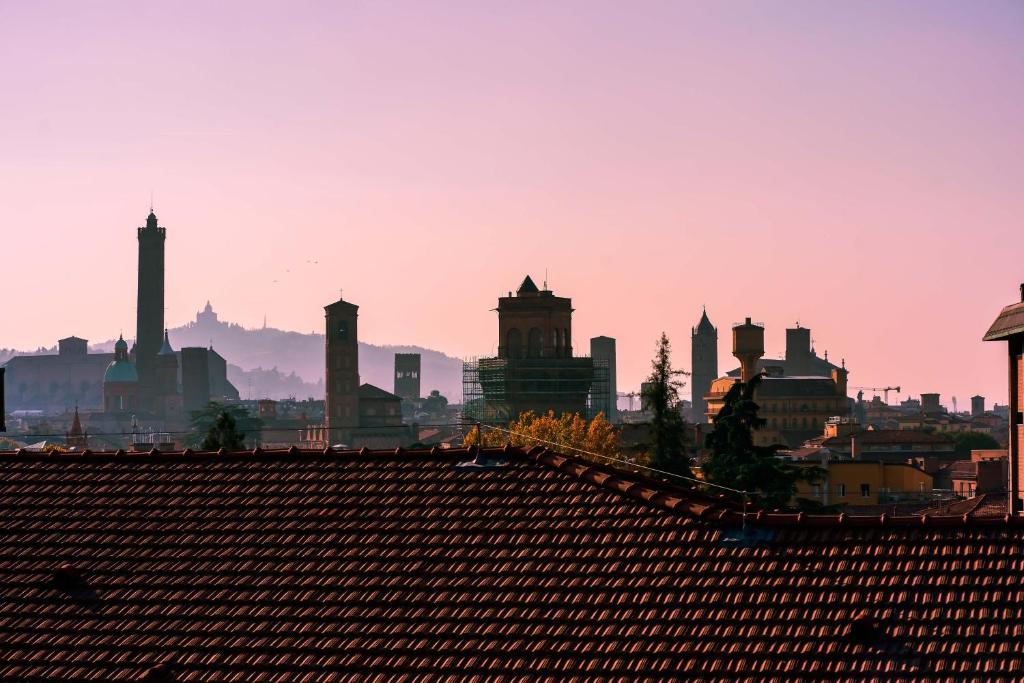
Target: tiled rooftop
302 566
889 436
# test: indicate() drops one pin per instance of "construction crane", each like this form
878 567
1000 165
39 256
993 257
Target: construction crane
884 390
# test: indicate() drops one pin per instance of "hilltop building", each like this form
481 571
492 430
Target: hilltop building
795 407
534 369
703 364
207 317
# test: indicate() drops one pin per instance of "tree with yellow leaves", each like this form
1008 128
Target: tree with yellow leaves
570 432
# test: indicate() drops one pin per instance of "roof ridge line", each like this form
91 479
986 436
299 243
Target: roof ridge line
633 485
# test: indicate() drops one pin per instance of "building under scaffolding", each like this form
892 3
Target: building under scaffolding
498 390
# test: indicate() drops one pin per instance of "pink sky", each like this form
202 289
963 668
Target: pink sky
855 166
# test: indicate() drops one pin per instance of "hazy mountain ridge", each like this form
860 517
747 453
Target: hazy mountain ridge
277 363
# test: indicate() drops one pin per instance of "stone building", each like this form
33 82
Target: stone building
378 408
407 375
195 378
54 383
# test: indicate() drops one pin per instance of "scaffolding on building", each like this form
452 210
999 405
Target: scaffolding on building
497 390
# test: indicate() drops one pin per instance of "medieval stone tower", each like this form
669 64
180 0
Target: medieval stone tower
341 409
704 365
149 329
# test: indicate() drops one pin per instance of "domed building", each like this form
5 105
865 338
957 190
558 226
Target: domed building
120 381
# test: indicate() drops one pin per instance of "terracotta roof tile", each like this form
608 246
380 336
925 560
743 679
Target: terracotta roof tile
320 566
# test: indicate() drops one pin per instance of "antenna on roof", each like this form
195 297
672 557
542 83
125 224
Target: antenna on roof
151 201
545 279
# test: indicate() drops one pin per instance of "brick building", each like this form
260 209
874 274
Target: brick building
534 369
1009 327
355 414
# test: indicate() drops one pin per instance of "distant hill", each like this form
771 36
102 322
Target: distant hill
273 363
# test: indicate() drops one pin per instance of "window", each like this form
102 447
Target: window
841 490
865 490
535 343
816 490
514 343
343 330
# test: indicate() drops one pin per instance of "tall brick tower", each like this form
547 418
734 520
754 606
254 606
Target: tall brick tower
341 409
534 323
149 328
704 365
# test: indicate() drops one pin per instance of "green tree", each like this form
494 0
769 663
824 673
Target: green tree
205 425
735 461
435 404
668 429
224 433
971 441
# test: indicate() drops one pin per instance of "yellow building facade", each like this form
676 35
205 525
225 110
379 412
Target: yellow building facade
851 482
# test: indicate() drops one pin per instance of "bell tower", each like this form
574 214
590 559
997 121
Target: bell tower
149 311
341 408
704 365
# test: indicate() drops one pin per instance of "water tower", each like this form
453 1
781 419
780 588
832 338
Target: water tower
748 347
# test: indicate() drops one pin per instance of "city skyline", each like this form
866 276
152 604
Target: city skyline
854 192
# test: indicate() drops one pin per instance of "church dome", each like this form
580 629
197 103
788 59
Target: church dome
120 371
121 346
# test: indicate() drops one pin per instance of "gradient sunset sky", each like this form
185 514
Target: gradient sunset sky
854 166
